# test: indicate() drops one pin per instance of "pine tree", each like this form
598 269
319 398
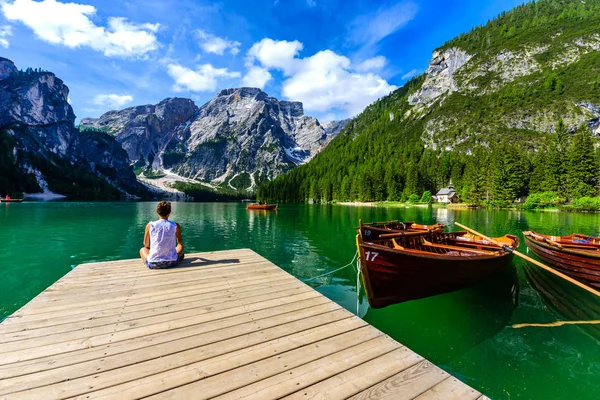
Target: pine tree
582 168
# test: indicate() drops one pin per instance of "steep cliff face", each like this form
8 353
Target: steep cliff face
39 123
240 138
469 97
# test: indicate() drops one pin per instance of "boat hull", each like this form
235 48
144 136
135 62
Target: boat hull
262 207
583 265
11 201
392 277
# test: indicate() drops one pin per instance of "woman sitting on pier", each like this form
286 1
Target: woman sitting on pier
163 246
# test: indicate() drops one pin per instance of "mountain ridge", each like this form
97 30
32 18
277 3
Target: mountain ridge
238 139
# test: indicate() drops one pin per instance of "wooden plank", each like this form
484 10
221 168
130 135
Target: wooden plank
124 291
150 298
222 355
13 353
407 384
288 382
134 294
223 340
221 379
450 389
225 292
93 320
355 380
314 306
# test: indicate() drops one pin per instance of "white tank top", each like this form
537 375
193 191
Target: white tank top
163 241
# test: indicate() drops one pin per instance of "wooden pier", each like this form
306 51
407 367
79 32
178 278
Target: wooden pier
227 325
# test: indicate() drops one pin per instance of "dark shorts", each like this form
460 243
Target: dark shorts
163 264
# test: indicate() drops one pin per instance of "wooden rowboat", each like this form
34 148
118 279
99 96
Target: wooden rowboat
415 266
261 207
575 255
11 201
379 230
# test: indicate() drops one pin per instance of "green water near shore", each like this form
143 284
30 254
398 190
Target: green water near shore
468 333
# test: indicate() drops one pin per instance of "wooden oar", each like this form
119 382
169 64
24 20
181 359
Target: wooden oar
543 239
531 260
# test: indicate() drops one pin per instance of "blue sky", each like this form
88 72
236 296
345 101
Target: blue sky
336 56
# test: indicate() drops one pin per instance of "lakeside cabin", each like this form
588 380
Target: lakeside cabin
446 195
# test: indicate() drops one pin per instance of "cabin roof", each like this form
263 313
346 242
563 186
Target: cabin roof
446 192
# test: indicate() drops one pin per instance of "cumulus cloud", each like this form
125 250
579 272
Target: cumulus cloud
112 100
372 64
256 77
5 31
69 24
371 28
325 81
217 45
204 78
275 54
411 73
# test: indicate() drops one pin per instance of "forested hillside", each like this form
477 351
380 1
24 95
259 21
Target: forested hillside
506 110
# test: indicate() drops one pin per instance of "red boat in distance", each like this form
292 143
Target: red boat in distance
576 255
261 207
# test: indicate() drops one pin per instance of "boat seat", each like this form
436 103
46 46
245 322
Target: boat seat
396 245
444 246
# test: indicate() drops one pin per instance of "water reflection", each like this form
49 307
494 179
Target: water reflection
566 302
448 325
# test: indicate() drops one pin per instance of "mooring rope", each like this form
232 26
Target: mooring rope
331 272
559 323
357 286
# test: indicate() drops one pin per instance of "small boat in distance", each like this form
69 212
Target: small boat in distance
11 200
258 206
379 230
576 255
416 264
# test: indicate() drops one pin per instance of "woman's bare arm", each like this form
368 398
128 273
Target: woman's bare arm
147 237
178 236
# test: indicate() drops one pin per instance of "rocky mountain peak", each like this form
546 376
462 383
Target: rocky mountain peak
240 138
7 67
40 121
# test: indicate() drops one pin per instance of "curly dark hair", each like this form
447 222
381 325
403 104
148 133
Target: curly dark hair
164 208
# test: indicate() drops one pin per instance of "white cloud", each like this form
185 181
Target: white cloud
371 28
371 64
311 3
275 54
325 81
112 100
411 73
256 77
203 79
69 24
5 31
217 45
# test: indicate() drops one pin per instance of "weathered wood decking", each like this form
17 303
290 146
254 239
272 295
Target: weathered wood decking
230 325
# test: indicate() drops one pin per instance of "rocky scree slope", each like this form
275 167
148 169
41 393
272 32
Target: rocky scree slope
40 148
240 138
